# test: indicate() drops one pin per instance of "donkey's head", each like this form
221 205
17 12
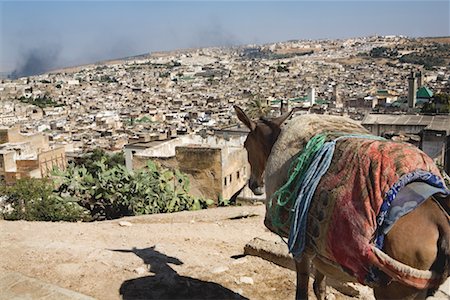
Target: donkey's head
263 135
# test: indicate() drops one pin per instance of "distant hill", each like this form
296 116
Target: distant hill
72 69
439 39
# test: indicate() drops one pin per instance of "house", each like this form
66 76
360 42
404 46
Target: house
27 156
217 166
434 132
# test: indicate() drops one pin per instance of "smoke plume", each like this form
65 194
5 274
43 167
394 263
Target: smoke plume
36 61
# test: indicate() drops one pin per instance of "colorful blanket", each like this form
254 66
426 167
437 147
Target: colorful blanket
352 199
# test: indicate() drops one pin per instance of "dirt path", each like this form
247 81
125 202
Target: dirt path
187 255
181 255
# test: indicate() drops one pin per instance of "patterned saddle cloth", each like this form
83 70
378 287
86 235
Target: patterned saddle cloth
350 210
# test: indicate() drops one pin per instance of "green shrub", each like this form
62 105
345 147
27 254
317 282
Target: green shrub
112 192
99 188
33 200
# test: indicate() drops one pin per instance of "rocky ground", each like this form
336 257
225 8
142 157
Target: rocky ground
187 255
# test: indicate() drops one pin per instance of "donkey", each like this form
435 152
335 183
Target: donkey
419 242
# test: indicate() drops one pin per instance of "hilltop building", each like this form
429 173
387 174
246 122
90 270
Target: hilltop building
27 156
217 166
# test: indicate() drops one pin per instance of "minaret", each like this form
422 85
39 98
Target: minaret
412 88
284 106
419 79
336 97
312 96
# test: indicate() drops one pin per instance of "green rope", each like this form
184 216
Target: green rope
289 191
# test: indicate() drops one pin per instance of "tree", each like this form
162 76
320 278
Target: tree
257 108
440 103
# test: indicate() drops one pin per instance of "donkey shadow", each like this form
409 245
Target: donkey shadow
166 283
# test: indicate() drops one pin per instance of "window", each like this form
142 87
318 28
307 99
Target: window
231 178
225 181
238 175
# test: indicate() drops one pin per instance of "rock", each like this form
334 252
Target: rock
246 280
330 297
125 224
220 269
140 270
239 261
270 250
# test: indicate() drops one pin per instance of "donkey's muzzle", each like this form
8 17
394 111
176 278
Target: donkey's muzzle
257 189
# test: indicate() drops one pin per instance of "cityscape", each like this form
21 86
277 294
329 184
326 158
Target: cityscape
140 102
224 149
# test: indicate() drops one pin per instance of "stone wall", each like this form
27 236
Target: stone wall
52 158
217 167
13 135
3 136
35 168
7 161
234 170
205 167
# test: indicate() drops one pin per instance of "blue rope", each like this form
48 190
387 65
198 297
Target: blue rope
319 166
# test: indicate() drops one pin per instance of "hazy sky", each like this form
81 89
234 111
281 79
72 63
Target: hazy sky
36 35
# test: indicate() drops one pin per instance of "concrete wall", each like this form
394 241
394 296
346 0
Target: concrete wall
27 165
167 149
140 162
36 168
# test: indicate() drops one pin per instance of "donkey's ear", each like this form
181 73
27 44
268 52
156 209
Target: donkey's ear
280 120
244 119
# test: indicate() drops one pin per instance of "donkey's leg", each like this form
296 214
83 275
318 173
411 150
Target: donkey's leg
319 285
302 267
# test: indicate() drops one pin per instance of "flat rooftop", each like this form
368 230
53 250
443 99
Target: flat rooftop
440 122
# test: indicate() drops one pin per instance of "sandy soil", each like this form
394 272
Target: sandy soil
186 255
194 255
